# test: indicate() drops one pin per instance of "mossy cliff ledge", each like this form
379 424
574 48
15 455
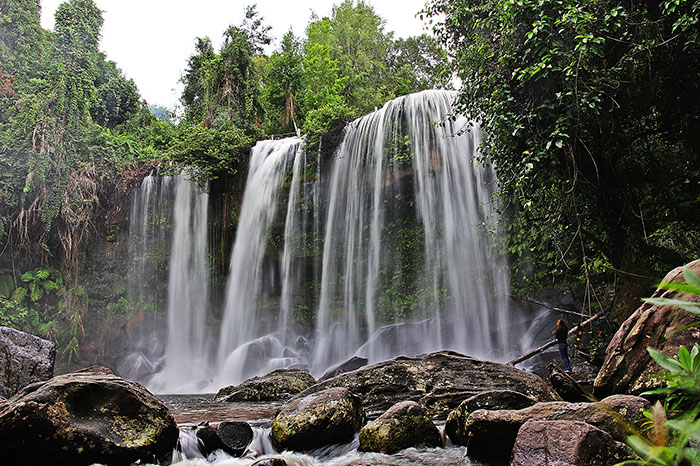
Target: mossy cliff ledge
86 417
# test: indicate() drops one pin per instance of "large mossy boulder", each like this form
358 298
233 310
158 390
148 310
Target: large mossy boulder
317 419
571 443
492 401
402 426
24 359
438 381
628 368
280 384
490 435
84 418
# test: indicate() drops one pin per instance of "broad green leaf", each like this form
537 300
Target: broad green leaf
693 308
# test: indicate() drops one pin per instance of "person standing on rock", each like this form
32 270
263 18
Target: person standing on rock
560 334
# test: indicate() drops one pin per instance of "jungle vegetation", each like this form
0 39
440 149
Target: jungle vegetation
591 110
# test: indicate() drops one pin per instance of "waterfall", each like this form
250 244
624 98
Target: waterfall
399 172
245 342
392 253
186 355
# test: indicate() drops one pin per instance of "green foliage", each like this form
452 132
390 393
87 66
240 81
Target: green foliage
576 98
691 286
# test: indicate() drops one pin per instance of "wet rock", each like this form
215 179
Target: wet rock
24 359
278 385
496 400
318 419
628 368
491 434
273 461
85 418
235 435
350 365
438 381
95 370
565 385
402 426
571 443
209 440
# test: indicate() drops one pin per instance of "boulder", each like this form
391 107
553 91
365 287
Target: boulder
571 443
565 385
438 381
85 418
496 400
490 435
24 359
402 426
317 419
278 385
628 368
348 366
233 437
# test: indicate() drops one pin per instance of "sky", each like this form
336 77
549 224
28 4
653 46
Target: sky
151 40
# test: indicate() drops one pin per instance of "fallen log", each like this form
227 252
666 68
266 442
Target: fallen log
537 351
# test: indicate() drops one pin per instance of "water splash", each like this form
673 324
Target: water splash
186 354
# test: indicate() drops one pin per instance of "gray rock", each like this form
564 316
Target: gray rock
350 365
280 384
571 443
85 418
24 359
272 461
317 419
438 381
496 400
628 368
402 426
565 385
491 434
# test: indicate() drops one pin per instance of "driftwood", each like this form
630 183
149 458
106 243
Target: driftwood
536 351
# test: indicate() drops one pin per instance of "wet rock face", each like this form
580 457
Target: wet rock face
490 435
318 419
628 368
438 381
574 443
278 385
85 418
500 399
402 426
24 359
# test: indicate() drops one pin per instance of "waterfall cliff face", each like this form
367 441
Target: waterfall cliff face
389 251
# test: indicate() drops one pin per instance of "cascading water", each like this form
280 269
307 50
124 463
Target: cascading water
245 343
397 171
186 355
407 264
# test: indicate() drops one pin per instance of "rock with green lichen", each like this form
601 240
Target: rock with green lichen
85 418
402 426
278 385
318 419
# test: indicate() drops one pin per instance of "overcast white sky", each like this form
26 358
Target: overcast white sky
151 40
